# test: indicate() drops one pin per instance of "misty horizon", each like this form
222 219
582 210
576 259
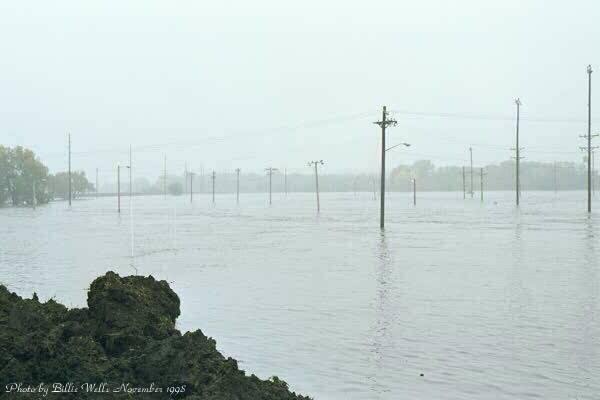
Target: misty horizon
234 86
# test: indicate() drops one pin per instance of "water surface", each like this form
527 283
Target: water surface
486 301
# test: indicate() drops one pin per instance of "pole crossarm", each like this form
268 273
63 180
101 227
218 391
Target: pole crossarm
386 123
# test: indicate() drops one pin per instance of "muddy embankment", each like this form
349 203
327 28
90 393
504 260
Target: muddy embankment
123 346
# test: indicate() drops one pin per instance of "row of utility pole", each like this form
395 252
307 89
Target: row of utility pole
191 175
270 171
464 185
384 123
588 148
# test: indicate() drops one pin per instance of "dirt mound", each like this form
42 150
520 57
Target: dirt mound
124 346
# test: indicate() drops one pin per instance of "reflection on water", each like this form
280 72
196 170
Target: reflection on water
484 301
384 314
587 359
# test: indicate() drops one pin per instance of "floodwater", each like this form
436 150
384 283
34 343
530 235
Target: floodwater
486 301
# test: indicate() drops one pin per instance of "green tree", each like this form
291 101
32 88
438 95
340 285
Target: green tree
175 188
534 176
59 184
4 174
20 172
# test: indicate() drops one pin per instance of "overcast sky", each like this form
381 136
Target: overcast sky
252 84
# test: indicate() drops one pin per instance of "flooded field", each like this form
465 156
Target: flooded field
456 299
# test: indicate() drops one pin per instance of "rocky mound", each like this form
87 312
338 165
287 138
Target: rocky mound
124 346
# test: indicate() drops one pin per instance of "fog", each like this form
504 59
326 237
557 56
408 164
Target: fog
223 85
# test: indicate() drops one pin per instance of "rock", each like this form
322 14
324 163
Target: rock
126 339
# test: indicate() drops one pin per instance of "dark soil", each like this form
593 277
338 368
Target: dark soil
125 343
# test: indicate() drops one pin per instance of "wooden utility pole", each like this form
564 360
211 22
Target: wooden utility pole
237 186
555 179
213 177
191 174
118 188
185 173
201 178
130 174
471 154
384 123
518 156
374 188
464 184
481 175
270 171
316 163
70 179
589 136
165 177
593 174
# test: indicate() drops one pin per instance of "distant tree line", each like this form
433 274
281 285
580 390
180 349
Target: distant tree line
534 176
25 179
22 174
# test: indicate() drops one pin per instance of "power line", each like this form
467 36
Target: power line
307 124
486 117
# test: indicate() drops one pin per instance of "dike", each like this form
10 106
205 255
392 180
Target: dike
123 346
